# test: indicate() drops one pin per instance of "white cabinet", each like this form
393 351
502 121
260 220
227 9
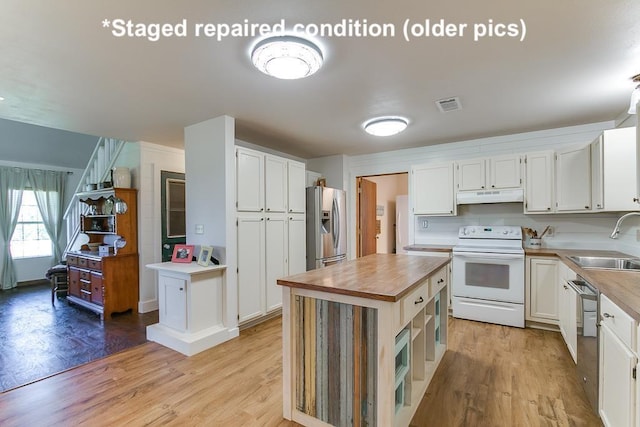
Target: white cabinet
249 180
432 189
542 290
539 182
191 302
613 167
172 298
263 236
567 309
275 184
276 259
471 174
573 179
296 177
251 267
505 171
297 244
618 360
498 172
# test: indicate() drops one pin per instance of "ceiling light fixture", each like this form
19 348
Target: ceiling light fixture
287 57
1 98
635 95
386 126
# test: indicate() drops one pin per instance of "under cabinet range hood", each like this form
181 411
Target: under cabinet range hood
489 196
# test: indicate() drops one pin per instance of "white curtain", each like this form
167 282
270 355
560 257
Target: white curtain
48 187
12 182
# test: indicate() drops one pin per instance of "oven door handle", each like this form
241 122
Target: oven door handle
488 255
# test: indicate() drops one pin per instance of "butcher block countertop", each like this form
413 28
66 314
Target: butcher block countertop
621 287
384 277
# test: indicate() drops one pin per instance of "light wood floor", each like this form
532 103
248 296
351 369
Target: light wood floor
492 376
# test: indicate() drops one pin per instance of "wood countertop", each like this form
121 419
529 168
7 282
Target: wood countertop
621 287
384 277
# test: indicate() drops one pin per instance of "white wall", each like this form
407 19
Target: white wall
582 230
210 198
145 176
35 268
333 168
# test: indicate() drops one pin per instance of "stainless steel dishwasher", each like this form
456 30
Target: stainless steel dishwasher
587 329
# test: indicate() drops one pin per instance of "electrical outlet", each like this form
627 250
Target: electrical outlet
425 223
551 232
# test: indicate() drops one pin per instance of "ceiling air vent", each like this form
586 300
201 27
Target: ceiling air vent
449 104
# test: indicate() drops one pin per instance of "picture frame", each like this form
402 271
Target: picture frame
205 254
182 253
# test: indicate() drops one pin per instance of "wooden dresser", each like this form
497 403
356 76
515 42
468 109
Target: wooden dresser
106 283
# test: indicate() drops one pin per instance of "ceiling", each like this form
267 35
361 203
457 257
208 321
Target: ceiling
62 69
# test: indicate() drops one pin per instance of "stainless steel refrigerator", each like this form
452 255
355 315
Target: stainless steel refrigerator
326 227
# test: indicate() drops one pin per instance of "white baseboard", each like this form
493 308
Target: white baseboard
147 306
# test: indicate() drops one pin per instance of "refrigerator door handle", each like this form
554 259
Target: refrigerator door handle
335 224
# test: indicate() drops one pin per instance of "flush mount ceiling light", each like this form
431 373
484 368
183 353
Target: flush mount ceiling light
386 126
635 95
287 57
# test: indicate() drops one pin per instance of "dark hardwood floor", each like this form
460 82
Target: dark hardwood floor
38 339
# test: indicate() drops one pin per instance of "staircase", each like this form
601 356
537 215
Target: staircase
98 170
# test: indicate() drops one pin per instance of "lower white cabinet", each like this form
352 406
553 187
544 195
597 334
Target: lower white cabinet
618 360
251 267
568 326
270 247
191 301
542 290
172 298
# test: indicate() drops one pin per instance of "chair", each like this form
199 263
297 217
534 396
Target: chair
57 275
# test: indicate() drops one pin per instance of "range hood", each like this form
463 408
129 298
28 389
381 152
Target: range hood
489 196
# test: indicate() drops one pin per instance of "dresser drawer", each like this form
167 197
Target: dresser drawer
618 321
83 262
85 275
85 285
415 301
95 265
72 260
439 280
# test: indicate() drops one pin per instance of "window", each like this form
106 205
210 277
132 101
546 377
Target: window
30 239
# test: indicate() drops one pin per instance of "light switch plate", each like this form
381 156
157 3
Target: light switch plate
199 229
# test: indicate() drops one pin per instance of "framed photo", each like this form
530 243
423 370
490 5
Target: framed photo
182 253
205 254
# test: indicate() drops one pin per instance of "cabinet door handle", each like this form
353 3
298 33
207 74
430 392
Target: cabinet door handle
548 209
493 186
608 316
565 286
635 199
586 207
419 301
181 289
482 186
441 281
268 209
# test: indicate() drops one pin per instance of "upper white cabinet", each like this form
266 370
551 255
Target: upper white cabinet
249 180
573 179
539 182
433 189
275 182
492 173
268 183
296 177
613 166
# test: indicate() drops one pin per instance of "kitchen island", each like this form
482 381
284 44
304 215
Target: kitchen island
362 339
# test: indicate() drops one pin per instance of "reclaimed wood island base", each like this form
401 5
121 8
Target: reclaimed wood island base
362 339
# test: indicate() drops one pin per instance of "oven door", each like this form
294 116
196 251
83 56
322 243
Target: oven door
489 276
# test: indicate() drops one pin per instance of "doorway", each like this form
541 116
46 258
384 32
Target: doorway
173 215
377 225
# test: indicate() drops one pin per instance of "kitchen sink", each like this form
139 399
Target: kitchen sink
608 263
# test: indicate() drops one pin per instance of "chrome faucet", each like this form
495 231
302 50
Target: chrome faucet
616 229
